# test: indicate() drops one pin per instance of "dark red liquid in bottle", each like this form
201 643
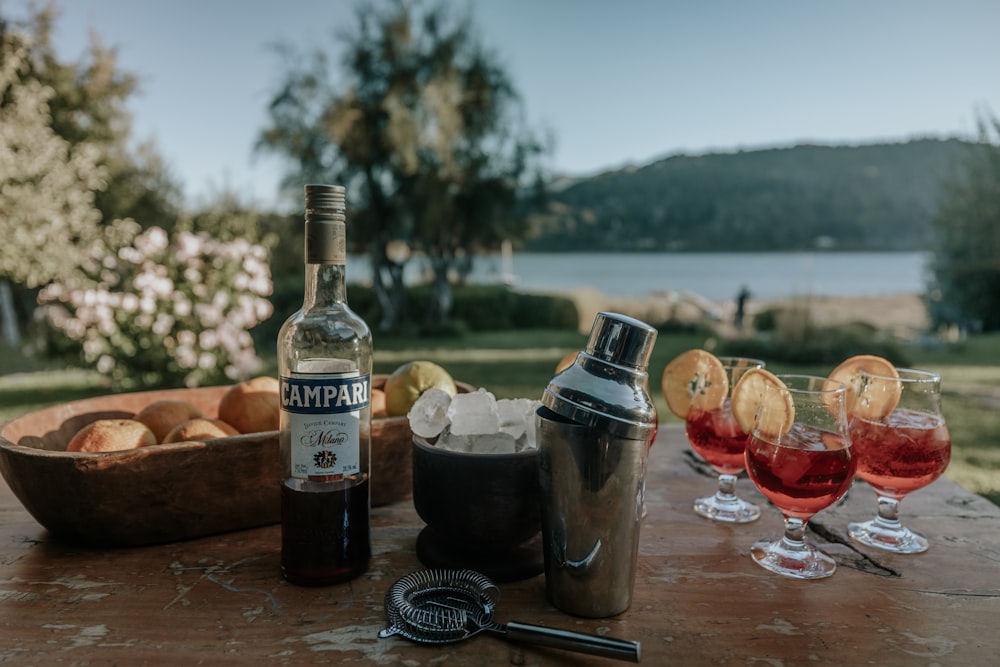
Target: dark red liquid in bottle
324 534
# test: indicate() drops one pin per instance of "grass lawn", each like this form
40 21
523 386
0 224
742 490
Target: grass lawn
519 364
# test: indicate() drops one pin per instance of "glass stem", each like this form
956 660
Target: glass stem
888 513
794 538
727 488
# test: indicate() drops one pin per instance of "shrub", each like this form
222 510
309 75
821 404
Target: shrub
766 320
475 308
677 326
166 311
829 346
497 308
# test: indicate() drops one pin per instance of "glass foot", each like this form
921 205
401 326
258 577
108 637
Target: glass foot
726 509
797 560
895 538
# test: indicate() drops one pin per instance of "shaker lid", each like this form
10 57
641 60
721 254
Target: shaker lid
608 386
620 339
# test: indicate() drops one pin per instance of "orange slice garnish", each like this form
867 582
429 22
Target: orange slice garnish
869 397
756 403
695 377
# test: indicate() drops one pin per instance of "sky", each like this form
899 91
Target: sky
614 83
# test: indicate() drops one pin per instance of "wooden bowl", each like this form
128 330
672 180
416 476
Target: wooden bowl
172 491
141 496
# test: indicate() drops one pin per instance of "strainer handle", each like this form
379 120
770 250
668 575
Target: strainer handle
580 642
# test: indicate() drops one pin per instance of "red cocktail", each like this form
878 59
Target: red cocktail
716 435
902 453
808 471
800 457
898 452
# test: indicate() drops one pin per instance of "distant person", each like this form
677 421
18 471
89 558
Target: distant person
741 306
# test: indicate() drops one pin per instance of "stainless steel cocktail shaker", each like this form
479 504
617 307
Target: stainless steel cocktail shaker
594 430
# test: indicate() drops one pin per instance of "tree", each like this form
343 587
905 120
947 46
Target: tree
47 193
67 172
88 105
966 265
425 133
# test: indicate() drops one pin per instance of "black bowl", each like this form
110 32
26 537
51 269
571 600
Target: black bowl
486 501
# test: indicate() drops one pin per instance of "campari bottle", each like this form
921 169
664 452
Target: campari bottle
324 366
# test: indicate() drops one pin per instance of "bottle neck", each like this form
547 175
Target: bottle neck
326 259
325 286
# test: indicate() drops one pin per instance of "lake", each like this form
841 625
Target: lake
716 276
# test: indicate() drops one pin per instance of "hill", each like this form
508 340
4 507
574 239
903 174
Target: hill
866 197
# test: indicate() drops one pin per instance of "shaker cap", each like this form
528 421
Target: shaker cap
608 386
620 339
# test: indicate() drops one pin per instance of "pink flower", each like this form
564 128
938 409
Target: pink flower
152 241
194 297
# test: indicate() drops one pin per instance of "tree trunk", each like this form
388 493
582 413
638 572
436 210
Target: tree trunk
441 295
387 274
393 297
390 291
8 315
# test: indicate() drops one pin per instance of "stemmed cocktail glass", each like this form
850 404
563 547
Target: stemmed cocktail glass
902 444
800 457
718 438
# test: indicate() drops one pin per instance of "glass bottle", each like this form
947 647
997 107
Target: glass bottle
324 367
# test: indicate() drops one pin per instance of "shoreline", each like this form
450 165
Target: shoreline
902 315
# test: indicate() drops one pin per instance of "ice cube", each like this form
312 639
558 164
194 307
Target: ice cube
474 413
527 440
493 443
530 442
515 414
482 443
454 443
429 414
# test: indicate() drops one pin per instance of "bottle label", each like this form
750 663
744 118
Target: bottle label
324 415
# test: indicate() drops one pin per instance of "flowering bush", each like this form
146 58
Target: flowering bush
164 311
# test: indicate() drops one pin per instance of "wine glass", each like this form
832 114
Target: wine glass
717 437
898 453
799 455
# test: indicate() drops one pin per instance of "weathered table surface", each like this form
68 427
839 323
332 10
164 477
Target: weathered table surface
699 599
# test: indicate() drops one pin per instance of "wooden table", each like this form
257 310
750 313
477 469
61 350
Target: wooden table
699 599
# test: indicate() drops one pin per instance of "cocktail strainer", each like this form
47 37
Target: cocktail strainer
442 606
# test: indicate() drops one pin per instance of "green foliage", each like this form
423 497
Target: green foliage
490 308
825 346
69 179
874 197
46 183
164 311
477 308
676 326
89 107
424 128
788 335
766 320
966 266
